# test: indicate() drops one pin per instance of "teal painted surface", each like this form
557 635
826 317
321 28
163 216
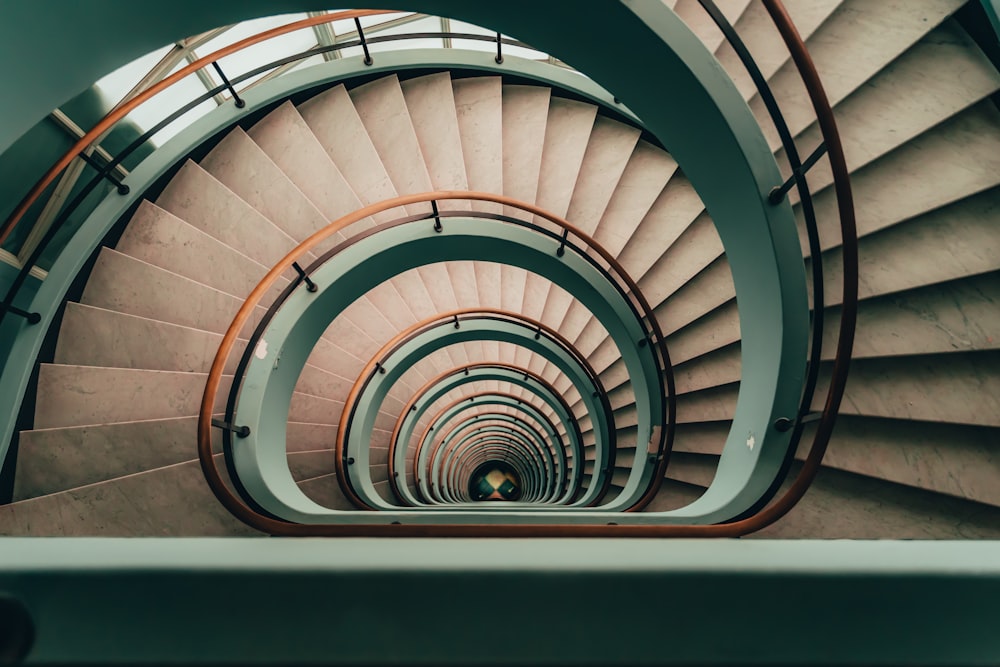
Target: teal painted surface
813 602
992 8
23 342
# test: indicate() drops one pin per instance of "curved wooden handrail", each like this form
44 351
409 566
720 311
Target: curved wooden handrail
433 382
124 109
440 319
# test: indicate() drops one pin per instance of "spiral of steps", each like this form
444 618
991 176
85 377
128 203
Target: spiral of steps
112 448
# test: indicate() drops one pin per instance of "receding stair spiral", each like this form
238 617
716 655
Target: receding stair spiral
914 454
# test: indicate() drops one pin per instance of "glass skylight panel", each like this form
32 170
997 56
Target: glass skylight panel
166 102
117 84
423 24
263 53
463 27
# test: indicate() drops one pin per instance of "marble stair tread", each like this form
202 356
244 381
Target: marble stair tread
307 465
91 336
128 285
525 112
911 95
716 368
479 111
844 505
951 162
609 150
161 239
718 329
306 437
430 101
702 24
958 316
567 135
382 109
648 171
879 33
325 491
762 39
709 405
57 459
241 164
91 395
958 240
696 248
955 388
675 209
290 143
333 119
172 501
195 196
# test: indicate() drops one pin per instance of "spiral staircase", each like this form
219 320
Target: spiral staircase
108 447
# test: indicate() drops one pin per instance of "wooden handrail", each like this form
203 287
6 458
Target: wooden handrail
123 110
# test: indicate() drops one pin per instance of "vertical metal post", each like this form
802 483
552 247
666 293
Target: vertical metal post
364 42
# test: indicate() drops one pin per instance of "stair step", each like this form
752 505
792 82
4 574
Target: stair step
956 388
430 101
286 138
91 336
194 196
911 95
878 33
161 239
57 459
325 491
242 165
127 285
479 110
91 395
172 501
333 119
308 465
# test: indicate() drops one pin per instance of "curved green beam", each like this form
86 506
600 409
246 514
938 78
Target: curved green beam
508 425
25 341
502 374
430 460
